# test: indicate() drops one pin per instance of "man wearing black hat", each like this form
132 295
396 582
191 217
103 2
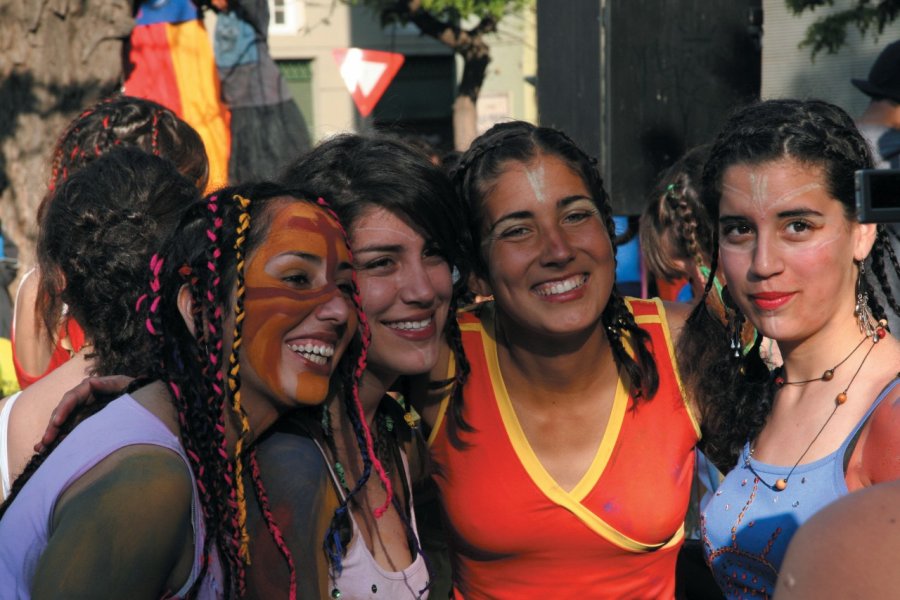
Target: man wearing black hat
880 122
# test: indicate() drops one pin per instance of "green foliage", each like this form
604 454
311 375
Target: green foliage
391 10
829 33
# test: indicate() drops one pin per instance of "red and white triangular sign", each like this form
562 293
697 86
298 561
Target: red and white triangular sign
367 74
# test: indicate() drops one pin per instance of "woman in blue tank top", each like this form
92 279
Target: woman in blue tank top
799 266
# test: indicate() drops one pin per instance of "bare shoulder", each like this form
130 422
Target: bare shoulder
848 550
137 501
676 315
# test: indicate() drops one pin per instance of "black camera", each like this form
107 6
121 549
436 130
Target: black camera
878 195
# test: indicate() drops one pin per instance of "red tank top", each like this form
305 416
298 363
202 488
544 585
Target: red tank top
517 534
70 330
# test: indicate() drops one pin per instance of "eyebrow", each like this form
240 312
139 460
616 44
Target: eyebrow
395 248
525 214
796 212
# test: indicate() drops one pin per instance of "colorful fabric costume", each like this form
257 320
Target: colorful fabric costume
267 128
170 61
748 524
25 528
517 534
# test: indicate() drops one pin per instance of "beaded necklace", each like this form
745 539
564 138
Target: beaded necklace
782 483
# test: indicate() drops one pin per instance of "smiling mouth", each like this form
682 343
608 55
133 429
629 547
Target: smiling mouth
560 287
314 353
410 325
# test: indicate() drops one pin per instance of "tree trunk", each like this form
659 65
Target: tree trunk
476 54
56 57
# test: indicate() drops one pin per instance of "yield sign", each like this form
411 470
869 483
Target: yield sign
367 74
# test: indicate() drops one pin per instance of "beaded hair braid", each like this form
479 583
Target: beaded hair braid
523 142
735 396
207 256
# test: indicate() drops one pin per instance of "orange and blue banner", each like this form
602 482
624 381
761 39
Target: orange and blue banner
171 62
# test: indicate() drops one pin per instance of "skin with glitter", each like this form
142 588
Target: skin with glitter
298 270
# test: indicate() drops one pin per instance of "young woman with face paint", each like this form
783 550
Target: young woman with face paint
565 468
402 220
250 306
780 186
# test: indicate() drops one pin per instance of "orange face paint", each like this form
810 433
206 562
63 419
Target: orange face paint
298 316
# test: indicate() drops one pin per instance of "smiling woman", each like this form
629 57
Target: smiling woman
780 185
565 467
402 221
247 276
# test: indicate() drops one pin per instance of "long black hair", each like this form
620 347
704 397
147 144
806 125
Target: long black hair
735 395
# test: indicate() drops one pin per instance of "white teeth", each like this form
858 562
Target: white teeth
410 325
560 287
316 353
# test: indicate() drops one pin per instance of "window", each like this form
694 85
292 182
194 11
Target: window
286 16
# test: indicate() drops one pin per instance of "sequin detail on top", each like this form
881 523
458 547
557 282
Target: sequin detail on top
747 524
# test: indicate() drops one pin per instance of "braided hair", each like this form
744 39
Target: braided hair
479 168
675 213
207 256
735 396
114 122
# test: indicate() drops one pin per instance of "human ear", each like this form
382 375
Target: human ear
186 308
480 286
864 239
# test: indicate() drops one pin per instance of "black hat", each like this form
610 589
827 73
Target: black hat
884 78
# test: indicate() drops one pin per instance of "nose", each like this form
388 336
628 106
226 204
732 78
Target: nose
767 259
417 287
336 309
557 248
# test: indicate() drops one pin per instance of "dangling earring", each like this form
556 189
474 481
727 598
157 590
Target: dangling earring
864 317
735 323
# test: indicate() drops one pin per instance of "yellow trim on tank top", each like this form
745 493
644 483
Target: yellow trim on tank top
661 319
571 500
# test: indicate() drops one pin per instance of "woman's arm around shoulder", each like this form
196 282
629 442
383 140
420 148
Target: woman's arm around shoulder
122 530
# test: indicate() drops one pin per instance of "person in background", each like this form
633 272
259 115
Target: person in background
880 125
41 345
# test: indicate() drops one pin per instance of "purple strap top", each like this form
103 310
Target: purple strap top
25 528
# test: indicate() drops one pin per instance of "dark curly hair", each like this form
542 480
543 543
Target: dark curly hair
98 233
735 395
112 123
519 141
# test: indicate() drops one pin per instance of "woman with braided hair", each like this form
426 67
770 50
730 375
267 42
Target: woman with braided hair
43 337
250 305
402 219
779 184
565 466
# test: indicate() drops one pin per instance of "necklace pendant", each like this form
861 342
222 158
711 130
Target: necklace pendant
840 398
780 484
828 375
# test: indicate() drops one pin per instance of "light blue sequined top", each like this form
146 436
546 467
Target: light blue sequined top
747 524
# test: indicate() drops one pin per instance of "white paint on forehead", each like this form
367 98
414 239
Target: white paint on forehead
535 177
759 192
